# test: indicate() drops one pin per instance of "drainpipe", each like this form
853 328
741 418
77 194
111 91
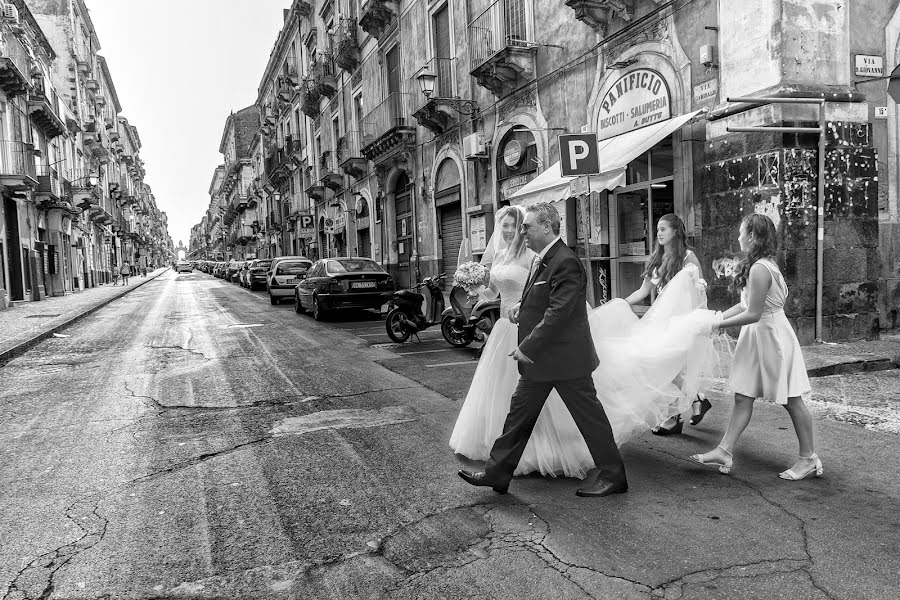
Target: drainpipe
820 200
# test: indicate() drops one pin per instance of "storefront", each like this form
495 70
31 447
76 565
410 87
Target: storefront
614 214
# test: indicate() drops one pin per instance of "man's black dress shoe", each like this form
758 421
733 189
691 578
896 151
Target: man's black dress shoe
482 480
603 487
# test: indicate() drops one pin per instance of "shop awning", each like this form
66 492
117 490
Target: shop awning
615 154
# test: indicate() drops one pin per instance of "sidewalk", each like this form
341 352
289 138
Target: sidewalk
24 325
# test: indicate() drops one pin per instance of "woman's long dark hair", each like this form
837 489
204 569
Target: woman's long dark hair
667 265
763 244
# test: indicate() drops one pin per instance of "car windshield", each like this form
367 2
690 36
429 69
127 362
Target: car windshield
293 267
262 264
351 265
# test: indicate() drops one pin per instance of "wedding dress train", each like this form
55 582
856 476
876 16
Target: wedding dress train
639 361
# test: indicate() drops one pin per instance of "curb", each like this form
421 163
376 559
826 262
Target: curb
7 355
860 366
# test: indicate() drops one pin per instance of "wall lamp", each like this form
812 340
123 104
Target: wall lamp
427 80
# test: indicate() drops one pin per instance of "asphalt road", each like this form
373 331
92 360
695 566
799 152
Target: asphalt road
191 441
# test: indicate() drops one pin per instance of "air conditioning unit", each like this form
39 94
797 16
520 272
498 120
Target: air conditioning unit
10 13
475 147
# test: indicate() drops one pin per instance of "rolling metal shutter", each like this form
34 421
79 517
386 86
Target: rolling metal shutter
451 237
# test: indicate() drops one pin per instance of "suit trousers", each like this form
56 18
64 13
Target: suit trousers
580 398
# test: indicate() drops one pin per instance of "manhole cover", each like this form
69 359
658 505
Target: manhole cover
42 316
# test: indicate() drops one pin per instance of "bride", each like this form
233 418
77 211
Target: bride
639 361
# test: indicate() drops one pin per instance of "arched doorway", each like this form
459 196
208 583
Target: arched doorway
363 228
403 223
448 208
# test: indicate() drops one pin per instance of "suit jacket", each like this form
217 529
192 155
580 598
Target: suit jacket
553 323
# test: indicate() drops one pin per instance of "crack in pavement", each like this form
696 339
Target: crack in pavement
35 580
801 526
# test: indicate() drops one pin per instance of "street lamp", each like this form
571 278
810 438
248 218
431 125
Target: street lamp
426 79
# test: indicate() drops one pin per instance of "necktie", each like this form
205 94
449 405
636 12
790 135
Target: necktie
534 267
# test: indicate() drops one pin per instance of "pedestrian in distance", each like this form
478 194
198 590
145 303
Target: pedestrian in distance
670 256
768 362
552 314
125 271
115 275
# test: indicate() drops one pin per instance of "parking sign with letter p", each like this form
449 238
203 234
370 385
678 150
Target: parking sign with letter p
579 154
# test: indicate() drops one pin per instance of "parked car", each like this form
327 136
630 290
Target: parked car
230 269
284 275
236 274
343 283
219 269
254 275
183 267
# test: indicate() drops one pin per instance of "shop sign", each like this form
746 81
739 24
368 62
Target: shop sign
637 99
707 91
512 154
881 112
510 186
335 226
869 66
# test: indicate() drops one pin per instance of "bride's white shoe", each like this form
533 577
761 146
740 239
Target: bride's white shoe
815 467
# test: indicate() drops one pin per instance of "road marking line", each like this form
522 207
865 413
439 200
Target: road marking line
384 333
424 351
453 364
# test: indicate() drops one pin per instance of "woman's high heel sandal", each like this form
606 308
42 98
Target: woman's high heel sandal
705 405
676 428
724 466
816 468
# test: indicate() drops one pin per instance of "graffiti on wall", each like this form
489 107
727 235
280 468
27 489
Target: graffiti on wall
724 267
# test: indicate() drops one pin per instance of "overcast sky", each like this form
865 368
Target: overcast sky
180 67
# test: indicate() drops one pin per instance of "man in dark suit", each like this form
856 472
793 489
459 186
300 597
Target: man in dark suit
555 351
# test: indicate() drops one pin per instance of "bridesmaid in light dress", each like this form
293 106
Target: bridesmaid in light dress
768 362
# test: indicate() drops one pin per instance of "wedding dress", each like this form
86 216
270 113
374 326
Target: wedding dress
639 360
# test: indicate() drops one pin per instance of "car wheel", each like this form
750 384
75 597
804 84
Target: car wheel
298 306
318 312
273 299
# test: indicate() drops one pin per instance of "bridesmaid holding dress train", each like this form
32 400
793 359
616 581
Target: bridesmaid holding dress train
768 362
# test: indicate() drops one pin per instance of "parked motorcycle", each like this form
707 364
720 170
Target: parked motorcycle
462 323
405 316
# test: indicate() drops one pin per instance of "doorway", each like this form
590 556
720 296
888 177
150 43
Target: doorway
404 228
14 253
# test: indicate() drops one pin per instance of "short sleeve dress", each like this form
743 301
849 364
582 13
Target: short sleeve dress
768 362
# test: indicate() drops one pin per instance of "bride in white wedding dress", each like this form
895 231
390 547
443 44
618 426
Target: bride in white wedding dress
639 360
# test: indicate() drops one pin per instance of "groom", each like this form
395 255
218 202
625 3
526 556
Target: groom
555 351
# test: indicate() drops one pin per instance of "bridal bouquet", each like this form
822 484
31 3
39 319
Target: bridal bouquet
470 276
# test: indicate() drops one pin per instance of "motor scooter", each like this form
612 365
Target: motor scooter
462 323
405 316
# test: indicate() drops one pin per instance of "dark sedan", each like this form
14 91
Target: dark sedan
255 273
343 283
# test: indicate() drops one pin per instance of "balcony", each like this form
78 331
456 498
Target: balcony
49 187
350 158
92 85
325 74
501 49
316 192
331 178
347 57
442 106
14 66
377 16
42 108
388 128
84 188
304 8
596 13
309 99
17 169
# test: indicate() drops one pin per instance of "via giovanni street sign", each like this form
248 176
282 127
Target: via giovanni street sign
579 154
